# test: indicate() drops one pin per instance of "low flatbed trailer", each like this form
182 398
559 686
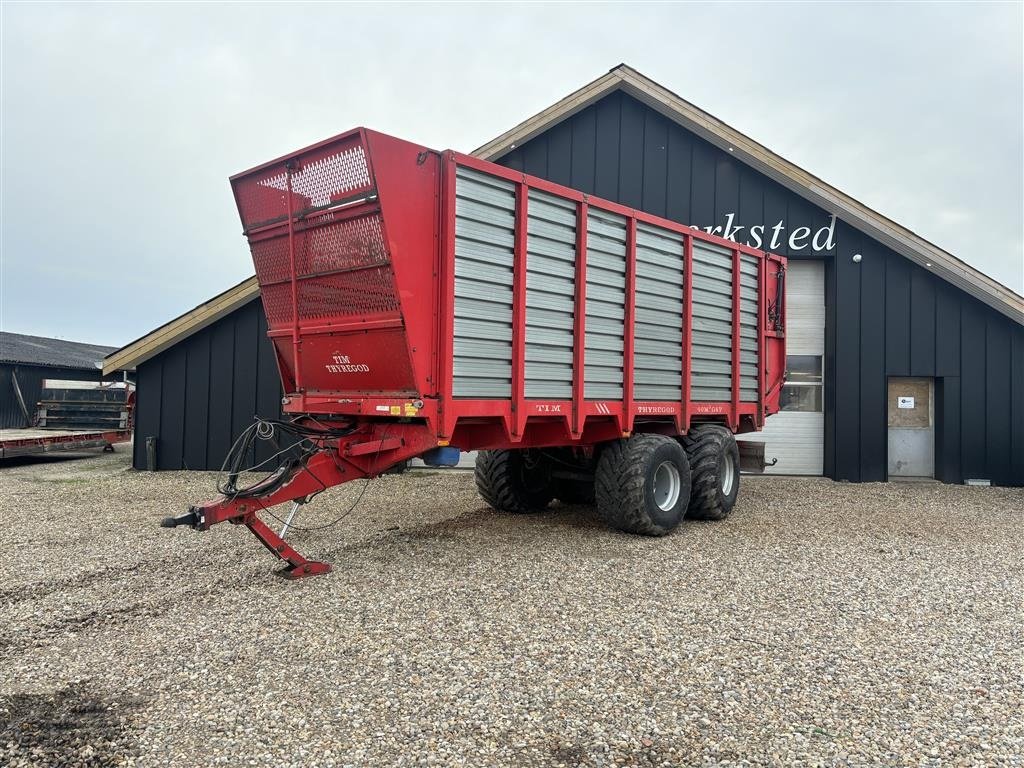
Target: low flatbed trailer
422 301
28 442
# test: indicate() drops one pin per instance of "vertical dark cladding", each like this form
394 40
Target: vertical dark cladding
885 316
197 396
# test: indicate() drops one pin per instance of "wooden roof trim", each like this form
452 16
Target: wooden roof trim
800 182
155 342
556 113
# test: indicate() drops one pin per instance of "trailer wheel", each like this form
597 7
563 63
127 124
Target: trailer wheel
514 481
715 465
643 484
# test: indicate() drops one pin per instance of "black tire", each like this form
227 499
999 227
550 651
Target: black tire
575 492
710 448
625 484
514 481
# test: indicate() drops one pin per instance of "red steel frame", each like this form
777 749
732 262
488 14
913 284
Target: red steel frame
739 416
403 403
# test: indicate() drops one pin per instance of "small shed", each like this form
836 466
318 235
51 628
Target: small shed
26 361
202 377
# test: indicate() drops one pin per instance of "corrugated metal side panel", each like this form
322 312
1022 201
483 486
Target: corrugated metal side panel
658 331
748 328
550 295
711 376
606 301
484 242
30 381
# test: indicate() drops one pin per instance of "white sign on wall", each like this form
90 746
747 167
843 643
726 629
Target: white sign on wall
904 402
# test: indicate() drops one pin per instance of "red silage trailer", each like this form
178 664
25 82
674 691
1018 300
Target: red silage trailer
423 301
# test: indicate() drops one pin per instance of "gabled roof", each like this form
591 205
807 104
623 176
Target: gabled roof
627 79
50 353
800 182
181 327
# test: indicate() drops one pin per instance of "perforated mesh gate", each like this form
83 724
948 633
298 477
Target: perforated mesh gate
342 264
321 176
342 269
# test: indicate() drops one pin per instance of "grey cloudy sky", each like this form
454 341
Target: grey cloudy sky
121 123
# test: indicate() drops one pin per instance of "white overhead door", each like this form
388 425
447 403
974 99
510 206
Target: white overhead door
796 435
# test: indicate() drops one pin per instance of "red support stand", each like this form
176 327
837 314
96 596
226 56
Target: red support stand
298 566
364 454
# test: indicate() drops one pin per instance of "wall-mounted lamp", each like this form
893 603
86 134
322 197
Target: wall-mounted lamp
856 258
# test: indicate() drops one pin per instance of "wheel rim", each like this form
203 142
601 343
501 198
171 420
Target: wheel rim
727 473
666 486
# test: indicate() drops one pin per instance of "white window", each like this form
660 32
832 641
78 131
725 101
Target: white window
803 389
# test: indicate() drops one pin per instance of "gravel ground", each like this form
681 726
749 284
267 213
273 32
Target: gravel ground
823 623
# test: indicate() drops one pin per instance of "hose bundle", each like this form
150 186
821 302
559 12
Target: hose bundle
304 436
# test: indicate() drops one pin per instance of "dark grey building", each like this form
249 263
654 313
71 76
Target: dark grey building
201 379
903 360
26 361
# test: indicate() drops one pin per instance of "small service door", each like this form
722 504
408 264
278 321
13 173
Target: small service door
911 427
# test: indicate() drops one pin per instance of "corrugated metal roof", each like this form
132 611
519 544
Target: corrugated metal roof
55 353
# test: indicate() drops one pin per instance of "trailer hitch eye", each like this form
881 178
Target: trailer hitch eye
190 518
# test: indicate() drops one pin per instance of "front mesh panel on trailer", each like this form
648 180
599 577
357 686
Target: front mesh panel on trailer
342 264
550 295
342 269
484 245
325 176
605 315
658 330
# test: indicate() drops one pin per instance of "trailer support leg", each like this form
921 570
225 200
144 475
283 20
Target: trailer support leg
365 453
298 566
